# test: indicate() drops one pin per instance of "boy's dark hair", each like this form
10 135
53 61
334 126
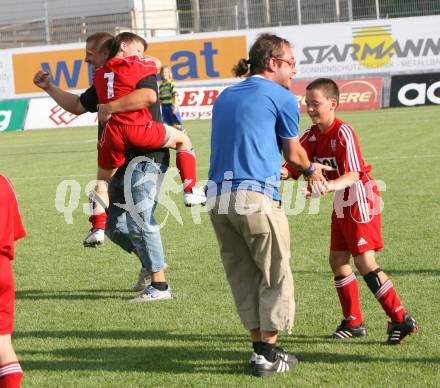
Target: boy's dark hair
126 37
328 87
100 40
264 48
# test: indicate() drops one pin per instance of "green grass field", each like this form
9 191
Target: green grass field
74 327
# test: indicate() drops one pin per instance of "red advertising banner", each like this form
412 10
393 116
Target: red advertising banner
355 94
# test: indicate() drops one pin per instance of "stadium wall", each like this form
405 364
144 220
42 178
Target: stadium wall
379 49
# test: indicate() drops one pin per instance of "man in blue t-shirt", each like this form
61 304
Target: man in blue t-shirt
252 121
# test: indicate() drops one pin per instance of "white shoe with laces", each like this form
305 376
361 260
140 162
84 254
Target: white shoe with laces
152 294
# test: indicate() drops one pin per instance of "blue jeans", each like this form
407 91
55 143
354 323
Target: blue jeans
137 229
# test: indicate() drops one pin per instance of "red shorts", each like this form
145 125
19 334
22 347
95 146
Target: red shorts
7 296
357 227
117 138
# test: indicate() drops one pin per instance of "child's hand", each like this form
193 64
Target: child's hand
285 173
103 114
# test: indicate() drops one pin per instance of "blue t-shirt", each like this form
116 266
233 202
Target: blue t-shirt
248 121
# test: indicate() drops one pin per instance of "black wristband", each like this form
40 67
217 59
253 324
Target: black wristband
309 170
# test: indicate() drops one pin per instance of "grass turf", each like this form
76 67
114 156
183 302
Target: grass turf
74 326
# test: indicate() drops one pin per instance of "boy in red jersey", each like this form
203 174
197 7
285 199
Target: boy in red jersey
356 222
117 78
11 229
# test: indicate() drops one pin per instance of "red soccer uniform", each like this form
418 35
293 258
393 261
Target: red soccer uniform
11 229
356 222
117 78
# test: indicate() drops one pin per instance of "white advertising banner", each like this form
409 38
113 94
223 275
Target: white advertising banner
392 46
6 77
45 113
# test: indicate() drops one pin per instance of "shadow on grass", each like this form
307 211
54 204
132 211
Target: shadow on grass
15 154
296 339
194 353
419 271
138 335
170 360
73 294
148 359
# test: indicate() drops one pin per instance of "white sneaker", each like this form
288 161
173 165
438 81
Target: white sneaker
94 238
196 197
151 294
144 279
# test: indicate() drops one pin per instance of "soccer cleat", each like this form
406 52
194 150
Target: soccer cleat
344 332
94 238
397 331
196 197
144 279
284 362
151 294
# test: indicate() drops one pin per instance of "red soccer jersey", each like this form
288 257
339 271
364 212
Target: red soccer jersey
119 77
11 227
337 147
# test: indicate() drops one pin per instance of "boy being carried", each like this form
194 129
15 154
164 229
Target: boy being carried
118 77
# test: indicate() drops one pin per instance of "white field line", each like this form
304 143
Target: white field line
397 157
433 156
68 142
23 178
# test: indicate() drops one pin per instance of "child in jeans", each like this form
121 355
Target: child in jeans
356 220
11 229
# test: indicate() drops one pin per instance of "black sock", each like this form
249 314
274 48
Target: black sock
257 347
268 351
161 286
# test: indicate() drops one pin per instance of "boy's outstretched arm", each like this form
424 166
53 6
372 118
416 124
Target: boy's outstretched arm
342 182
337 184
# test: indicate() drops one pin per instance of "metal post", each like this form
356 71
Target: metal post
267 9
377 10
350 10
246 16
298 6
236 16
195 6
46 22
144 19
338 10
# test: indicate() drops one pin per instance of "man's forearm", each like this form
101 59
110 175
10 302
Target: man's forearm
68 101
298 159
